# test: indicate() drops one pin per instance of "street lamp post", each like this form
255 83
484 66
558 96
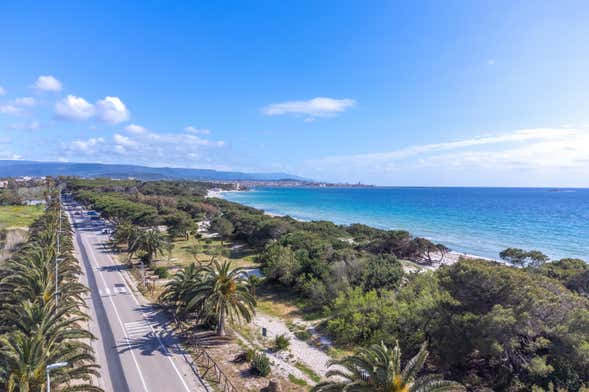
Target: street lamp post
57 258
57 261
51 367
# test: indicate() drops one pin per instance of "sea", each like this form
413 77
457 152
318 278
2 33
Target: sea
476 221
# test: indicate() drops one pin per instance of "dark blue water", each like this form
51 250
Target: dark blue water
480 221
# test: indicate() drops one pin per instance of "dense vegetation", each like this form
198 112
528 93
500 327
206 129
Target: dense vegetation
39 325
378 368
15 193
517 326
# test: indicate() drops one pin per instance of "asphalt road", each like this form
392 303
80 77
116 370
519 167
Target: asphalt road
134 348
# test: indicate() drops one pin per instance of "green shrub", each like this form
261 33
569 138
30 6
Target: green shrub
162 272
261 364
250 354
308 371
297 381
303 335
281 342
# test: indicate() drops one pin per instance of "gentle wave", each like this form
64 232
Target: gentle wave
480 221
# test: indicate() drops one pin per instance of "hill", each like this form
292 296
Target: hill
37 169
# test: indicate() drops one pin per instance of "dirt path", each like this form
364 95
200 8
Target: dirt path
313 357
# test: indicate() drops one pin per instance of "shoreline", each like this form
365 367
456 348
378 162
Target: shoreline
451 257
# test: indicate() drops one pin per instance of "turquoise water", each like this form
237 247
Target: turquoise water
480 221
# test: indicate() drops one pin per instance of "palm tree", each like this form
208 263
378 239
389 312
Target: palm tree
126 233
224 293
151 242
23 359
378 369
35 328
176 291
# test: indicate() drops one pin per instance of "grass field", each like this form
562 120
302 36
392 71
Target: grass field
184 253
19 216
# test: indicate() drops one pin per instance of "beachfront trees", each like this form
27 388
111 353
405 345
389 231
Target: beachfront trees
514 256
522 258
179 224
222 226
383 272
434 253
378 369
511 317
358 317
222 292
279 263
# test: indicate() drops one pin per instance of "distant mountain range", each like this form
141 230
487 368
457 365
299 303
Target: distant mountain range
37 169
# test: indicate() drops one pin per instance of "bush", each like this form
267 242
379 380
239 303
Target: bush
297 381
261 364
281 342
250 354
303 335
162 272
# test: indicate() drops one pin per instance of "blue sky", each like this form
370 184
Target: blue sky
392 93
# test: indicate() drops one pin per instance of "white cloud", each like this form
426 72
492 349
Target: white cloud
120 149
11 109
25 101
150 148
316 107
17 106
74 108
491 62
407 152
111 110
48 83
197 131
85 145
520 157
136 129
2 91
10 156
123 140
29 126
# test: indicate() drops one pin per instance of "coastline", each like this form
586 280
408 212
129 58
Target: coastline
451 257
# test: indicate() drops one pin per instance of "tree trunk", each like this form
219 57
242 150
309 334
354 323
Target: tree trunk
221 324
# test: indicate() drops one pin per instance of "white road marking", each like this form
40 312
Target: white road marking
162 345
138 328
119 289
120 321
